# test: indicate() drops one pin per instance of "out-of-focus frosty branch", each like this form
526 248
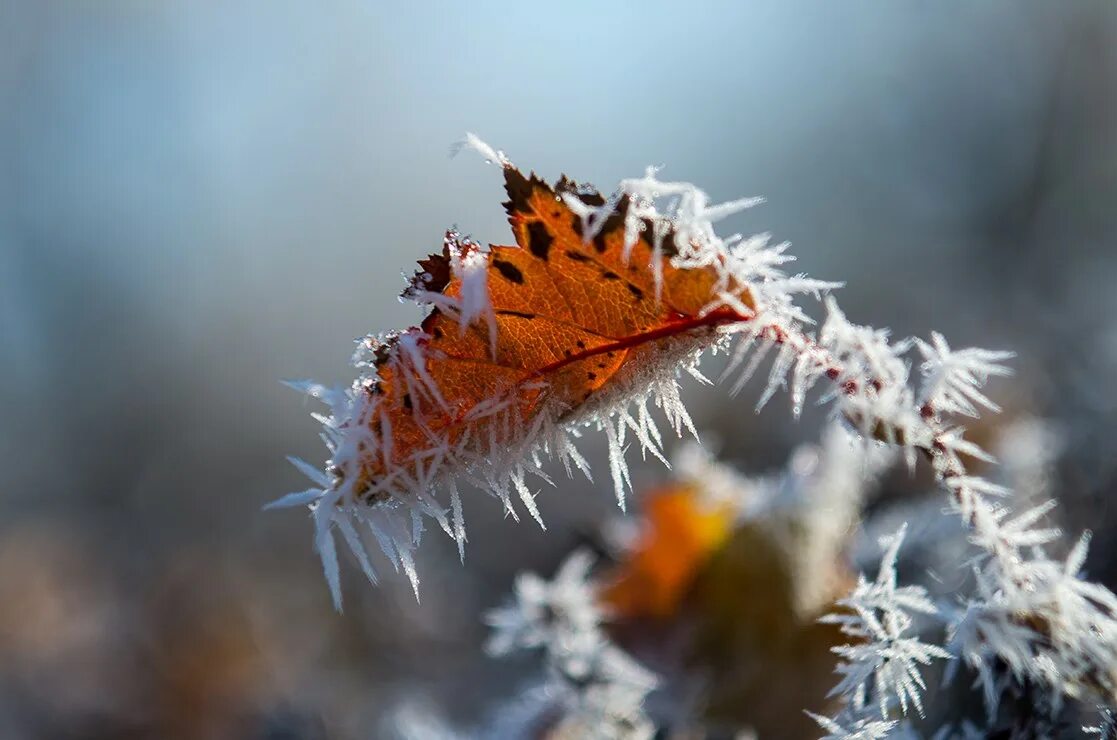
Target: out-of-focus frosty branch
1106 728
858 729
1036 615
882 667
597 687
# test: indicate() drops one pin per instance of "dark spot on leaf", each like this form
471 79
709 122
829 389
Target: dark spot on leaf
539 239
591 376
577 256
407 401
636 292
576 224
614 222
609 275
581 344
509 271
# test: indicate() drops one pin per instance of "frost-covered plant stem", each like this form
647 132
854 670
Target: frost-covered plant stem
882 669
1032 613
599 690
1035 614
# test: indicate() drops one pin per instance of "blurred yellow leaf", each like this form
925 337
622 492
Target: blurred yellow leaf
680 533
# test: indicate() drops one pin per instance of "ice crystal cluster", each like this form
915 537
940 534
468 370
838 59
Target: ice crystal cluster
881 668
597 688
1034 619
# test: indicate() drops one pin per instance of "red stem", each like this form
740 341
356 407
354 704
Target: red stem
712 319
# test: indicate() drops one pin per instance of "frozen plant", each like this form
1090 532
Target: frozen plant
419 721
1038 616
1106 728
370 495
1033 614
560 615
599 689
882 668
858 729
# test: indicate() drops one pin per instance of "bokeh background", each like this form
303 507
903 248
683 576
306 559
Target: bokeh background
200 199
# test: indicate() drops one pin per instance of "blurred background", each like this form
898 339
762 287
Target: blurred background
201 199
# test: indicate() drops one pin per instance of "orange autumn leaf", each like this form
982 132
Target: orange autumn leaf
562 318
586 321
680 533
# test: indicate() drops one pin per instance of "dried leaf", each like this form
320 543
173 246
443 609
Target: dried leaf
516 330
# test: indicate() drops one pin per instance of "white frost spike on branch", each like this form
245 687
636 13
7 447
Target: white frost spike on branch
471 266
545 614
862 729
491 155
885 665
1106 728
952 378
600 688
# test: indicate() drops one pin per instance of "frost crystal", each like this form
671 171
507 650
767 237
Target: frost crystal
600 689
1106 728
861 729
883 666
952 379
552 614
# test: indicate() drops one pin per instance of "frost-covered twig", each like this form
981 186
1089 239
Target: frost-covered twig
859 729
1106 728
599 688
1033 613
882 668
